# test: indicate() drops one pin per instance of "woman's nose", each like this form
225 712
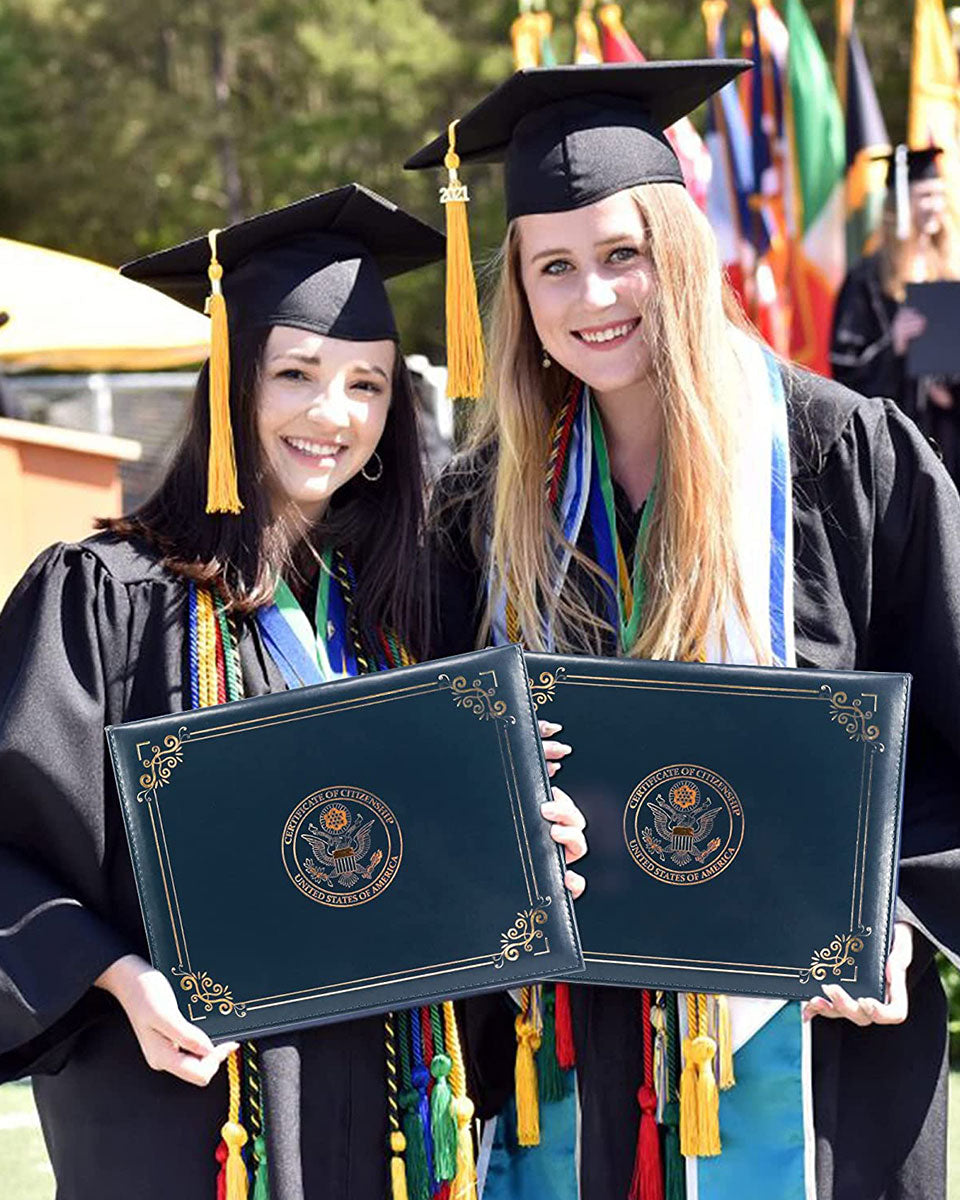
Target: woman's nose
329 407
598 291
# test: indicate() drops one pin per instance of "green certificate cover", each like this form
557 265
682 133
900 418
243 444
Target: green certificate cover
349 848
743 823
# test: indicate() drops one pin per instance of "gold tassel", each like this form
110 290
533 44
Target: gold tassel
234 1136
699 1097
725 1044
465 1180
528 1100
689 1126
702 1050
222 495
398 1169
464 331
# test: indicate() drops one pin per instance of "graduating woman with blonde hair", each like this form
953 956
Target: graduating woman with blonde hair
647 479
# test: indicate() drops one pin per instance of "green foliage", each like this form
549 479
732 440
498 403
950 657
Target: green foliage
951 983
130 124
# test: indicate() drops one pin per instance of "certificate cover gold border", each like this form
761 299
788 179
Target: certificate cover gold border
476 694
857 720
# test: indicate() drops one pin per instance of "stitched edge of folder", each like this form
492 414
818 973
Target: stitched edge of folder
572 928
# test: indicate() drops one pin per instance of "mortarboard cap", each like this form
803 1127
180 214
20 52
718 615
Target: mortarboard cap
921 163
318 264
568 136
572 135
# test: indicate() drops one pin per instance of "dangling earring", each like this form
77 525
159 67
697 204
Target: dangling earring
379 468
546 360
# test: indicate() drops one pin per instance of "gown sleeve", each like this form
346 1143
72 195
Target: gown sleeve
63 638
915 627
861 352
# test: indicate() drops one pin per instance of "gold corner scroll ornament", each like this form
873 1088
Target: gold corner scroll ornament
841 952
524 933
544 690
477 697
209 994
160 763
853 718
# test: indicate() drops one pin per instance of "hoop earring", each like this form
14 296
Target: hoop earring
546 361
379 469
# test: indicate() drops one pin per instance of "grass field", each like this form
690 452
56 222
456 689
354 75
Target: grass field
26 1173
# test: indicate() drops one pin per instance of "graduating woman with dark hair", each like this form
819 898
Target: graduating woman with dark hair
646 479
303 449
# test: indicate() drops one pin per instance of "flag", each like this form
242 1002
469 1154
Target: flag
934 114
814 192
731 182
866 135
618 46
765 39
531 36
587 51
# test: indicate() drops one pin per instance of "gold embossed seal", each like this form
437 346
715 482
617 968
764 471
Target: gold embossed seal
342 846
683 824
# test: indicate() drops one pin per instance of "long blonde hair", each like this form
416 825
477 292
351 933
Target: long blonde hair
915 259
691 571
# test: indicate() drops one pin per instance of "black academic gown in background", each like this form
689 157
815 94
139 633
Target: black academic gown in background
862 357
876 587
94 635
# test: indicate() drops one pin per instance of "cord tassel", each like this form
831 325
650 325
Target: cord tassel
398 1169
647 1182
552 1082
234 1136
464 331
528 1103
222 494
725 1044
443 1123
465 1180
566 1051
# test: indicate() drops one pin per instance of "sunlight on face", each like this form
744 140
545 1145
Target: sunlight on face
928 199
588 279
322 408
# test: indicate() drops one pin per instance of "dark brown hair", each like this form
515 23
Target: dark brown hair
378 525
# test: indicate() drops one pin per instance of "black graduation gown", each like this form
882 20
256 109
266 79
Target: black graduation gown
862 357
94 635
877 586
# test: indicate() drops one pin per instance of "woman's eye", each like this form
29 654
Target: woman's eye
623 254
292 373
369 386
559 266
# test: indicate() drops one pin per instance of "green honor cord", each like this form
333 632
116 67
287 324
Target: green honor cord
314 643
631 591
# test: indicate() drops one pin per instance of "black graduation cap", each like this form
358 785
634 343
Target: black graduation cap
572 135
318 264
921 163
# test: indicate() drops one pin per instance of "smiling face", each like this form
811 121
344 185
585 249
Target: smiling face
322 408
588 279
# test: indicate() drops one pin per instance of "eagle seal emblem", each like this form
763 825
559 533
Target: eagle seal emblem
683 824
342 846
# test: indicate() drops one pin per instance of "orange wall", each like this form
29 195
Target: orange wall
53 483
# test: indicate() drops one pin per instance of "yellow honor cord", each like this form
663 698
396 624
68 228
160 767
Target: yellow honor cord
222 494
235 1136
464 331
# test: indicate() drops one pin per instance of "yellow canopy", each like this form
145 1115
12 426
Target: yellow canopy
71 314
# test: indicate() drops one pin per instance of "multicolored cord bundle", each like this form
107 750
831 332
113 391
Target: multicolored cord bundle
429 1114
